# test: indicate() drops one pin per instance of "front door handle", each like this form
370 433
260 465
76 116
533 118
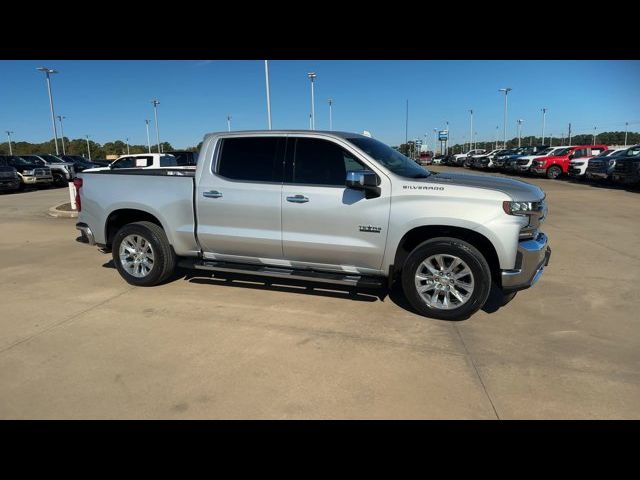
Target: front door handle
297 199
212 194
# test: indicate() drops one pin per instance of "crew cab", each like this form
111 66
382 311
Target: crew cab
62 172
332 207
142 160
29 173
511 160
601 167
485 160
471 153
627 167
524 163
579 162
555 165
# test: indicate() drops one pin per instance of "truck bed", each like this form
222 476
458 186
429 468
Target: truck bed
165 193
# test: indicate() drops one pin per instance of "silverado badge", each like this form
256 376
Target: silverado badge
370 228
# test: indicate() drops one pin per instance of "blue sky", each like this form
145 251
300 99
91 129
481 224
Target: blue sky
111 99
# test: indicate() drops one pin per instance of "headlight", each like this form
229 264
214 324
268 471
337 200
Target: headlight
29 172
517 208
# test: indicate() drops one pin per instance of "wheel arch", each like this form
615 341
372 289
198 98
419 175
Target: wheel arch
122 216
417 235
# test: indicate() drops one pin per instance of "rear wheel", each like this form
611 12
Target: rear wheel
446 278
554 172
142 254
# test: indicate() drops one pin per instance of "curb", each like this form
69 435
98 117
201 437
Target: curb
54 212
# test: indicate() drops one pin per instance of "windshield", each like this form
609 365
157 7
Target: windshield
22 161
546 151
51 159
390 158
33 159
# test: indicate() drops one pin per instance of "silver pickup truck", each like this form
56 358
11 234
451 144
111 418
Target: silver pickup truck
330 207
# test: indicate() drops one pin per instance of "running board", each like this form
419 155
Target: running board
359 281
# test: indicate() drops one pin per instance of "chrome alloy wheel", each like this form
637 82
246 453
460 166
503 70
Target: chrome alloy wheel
136 255
444 281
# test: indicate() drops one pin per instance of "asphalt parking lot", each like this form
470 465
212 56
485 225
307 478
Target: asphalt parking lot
76 341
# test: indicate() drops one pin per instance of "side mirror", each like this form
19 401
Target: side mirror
364 180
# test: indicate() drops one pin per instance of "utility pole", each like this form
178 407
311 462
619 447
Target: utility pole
48 72
519 131
266 77
88 148
9 132
148 138
155 103
60 118
312 76
626 129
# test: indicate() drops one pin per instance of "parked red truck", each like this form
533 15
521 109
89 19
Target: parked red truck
558 164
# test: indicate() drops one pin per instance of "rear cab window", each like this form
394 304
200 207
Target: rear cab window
251 159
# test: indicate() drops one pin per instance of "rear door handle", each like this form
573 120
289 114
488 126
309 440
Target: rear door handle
297 199
212 194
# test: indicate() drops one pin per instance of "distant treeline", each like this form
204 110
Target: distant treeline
78 146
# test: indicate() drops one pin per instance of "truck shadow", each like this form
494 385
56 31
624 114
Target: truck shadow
495 301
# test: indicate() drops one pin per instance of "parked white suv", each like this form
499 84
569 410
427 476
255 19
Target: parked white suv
143 160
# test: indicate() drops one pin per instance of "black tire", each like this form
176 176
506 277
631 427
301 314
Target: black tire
467 253
553 172
164 257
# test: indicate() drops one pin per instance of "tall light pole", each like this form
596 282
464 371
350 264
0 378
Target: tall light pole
128 151
228 123
446 142
312 76
435 141
519 130
310 122
60 118
506 93
155 103
330 114
551 139
626 129
406 125
471 112
88 148
266 79
544 120
497 128
48 72
9 132
148 138
569 133
594 135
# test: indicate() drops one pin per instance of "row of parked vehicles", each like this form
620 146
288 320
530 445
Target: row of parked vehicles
593 162
46 170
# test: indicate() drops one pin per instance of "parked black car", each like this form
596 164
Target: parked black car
9 179
627 169
79 162
601 166
29 172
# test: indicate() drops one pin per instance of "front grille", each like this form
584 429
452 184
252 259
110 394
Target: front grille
7 174
523 162
595 165
42 172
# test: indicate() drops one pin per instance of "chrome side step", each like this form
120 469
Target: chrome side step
358 281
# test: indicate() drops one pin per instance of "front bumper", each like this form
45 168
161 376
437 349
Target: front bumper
523 168
9 183
533 256
575 171
34 180
597 175
625 178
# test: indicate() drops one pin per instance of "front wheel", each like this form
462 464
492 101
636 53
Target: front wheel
142 254
446 278
554 172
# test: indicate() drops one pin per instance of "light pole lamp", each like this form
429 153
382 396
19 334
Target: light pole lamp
506 91
9 132
312 76
60 118
155 103
544 120
48 72
148 138
330 101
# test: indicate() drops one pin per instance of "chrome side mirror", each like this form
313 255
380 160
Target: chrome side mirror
365 180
